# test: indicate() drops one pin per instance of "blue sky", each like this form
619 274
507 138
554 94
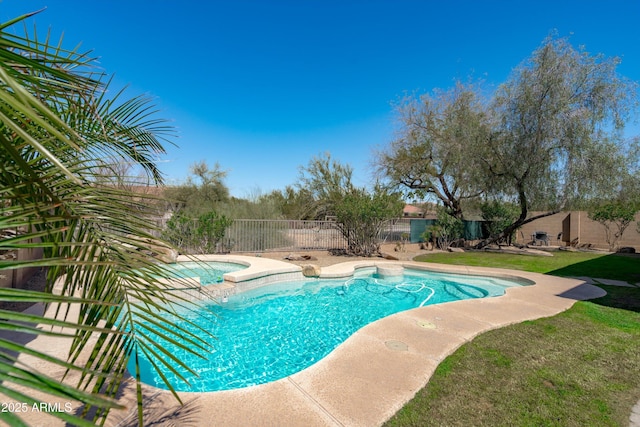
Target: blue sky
263 86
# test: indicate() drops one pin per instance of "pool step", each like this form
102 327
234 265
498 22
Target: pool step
220 289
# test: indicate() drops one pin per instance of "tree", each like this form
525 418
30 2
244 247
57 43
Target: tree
615 216
360 213
326 181
558 140
211 188
59 133
434 153
253 206
446 230
294 203
197 235
498 216
197 225
360 216
204 190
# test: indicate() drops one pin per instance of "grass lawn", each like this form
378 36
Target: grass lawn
606 266
579 368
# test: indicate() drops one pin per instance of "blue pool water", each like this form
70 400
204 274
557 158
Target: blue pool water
277 330
209 272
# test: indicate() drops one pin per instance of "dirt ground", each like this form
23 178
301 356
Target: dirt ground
324 258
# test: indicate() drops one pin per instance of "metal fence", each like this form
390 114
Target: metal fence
396 230
258 235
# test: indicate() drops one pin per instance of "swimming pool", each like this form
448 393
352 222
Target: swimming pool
274 331
209 272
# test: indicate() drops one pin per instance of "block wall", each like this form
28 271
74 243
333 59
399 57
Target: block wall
18 277
566 228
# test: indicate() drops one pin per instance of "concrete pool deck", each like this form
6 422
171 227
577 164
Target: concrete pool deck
370 376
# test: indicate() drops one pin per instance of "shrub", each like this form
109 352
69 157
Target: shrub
498 216
360 216
197 235
615 217
446 230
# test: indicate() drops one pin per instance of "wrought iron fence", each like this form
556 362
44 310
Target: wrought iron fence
262 235
396 230
257 235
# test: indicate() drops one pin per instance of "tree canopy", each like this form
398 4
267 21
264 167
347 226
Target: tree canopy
615 217
203 191
359 213
559 129
548 138
326 181
433 153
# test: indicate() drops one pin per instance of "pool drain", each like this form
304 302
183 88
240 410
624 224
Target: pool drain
426 325
396 345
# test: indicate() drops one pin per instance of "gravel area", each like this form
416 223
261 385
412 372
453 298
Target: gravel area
323 258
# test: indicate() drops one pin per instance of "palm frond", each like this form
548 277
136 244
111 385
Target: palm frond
61 138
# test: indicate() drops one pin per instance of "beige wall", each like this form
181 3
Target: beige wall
6 279
18 277
576 225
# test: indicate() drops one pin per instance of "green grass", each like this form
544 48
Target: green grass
579 368
606 266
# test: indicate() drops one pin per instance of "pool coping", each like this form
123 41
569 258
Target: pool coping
370 376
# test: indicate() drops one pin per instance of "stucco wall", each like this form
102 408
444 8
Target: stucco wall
576 225
18 277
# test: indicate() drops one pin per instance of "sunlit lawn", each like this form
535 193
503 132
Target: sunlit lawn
562 263
579 368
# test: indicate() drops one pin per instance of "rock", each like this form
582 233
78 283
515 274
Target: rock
389 257
298 257
537 252
450 249
399 247
626 250
311 270
170 256
514 250
337 252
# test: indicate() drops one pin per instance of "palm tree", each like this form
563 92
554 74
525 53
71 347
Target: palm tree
61 139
